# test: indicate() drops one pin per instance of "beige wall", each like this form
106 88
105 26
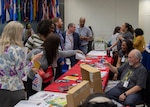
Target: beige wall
144 18
102 15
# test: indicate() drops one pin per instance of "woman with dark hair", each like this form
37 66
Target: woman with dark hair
126 33
50 55
115 36
97 100
126 47
44 27
90 43
139 42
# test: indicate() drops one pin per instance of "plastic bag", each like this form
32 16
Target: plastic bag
37 83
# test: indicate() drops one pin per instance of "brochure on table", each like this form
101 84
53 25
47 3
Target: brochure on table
44 99
97 53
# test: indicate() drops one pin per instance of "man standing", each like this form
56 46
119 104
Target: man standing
59 24
85 35
72 41
133 80
60 62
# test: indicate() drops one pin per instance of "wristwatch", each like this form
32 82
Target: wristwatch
125 94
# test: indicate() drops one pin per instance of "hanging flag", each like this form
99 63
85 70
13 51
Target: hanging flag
31 10
19 13
48 8
0 8
44 7
22 9
3 11
34 9
27 10
37 9
40 12
11 9
57 8
14 10
53 8
7 10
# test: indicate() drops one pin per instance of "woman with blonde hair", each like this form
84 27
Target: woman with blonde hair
12 65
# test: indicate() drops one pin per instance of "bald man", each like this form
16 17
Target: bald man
133 80
85 35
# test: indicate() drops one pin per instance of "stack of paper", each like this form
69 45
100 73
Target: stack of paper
97 53
44 99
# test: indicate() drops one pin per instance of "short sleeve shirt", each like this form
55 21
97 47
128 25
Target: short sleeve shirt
135 76
85 31
127 35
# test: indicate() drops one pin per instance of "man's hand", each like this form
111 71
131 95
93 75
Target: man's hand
122 97
115 77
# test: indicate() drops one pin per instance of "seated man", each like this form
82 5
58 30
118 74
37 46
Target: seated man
133 79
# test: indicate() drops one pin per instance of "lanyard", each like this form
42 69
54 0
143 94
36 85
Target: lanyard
128 75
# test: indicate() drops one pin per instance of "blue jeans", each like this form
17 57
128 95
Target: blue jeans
84 49
131 100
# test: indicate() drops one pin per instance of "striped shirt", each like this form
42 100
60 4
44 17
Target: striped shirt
34 41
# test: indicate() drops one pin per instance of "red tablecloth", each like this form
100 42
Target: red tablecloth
55 86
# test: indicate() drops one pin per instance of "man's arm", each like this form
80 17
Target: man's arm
133 90
87 38
111 67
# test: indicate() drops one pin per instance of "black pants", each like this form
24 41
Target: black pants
58 71
30 91
11 98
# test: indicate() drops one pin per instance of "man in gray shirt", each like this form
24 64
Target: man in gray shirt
133 80
85 35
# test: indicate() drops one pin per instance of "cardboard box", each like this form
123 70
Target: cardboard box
78 94
92 75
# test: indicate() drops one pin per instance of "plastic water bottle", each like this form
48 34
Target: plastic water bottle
102 62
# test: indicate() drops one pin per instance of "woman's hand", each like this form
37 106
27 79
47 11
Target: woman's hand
37 57
79 51
35 70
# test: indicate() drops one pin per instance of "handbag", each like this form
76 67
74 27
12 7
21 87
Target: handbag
37 83
49 72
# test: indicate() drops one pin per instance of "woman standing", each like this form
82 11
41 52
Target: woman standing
12 66
126 33
49 58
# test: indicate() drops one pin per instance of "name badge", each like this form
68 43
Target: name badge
126 83
123 59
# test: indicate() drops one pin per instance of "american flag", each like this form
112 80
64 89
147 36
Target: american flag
55 8
14 10
28 10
